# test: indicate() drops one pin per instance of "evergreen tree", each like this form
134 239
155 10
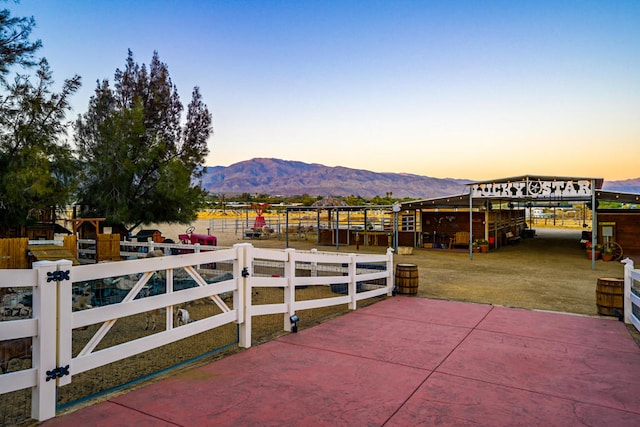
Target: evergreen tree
139 163
15 47
36 165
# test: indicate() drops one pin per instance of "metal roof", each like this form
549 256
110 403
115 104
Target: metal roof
617 196
462 200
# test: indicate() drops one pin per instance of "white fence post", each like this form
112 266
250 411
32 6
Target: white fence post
628 305
196 249
314 264
391 279
43 396
290 290
65 319
242 296
352 286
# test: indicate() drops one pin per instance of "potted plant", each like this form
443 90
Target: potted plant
597 249
607 254
475 247
483 244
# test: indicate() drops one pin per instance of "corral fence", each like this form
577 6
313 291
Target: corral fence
297 227
71 328
631 294
126 250
277 224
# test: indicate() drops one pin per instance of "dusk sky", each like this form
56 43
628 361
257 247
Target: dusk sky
459 89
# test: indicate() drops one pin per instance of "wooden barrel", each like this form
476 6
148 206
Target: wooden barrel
610 295
407 279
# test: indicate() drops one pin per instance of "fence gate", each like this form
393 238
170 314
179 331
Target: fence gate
13 253
95 328
107 247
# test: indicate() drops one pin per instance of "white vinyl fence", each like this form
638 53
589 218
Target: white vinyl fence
631 291
53 317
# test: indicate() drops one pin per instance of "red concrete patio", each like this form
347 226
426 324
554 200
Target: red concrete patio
405 361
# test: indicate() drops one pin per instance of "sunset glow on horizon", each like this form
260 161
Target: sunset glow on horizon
450 89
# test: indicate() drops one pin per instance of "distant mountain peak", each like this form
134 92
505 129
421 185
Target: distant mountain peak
288 177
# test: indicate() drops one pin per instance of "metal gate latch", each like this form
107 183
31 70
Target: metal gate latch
58 276
58 372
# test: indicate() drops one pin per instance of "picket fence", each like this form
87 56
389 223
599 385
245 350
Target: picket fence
53 320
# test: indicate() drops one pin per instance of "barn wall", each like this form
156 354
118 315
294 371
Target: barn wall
439 227
627 228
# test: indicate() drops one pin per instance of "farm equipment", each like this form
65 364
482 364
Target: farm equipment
191 238
260 226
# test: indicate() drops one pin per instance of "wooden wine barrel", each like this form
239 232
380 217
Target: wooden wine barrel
407 279
610 295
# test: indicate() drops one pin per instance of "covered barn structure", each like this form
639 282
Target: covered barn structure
496 211
338 224
500 211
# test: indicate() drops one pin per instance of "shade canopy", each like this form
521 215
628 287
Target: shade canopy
525 188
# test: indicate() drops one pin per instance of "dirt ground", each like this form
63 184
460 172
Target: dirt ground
548 272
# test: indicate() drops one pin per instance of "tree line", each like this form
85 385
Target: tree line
217 200
134 157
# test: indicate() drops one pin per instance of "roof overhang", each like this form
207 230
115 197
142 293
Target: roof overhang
336 208
616 196
521 189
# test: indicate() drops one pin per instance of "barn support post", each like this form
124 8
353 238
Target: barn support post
594 224
286 228
416 236
348 227
470 224
337 229
486 223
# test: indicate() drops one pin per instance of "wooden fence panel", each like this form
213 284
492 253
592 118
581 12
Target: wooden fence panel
13 253
71 244
108 247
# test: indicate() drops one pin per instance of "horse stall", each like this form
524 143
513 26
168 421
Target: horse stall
343 225
498 226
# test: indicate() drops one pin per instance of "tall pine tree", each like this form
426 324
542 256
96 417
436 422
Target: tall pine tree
139 160
36 165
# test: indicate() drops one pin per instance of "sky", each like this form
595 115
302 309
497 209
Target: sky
448 89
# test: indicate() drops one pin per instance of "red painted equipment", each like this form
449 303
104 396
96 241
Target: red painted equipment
259 208
191 238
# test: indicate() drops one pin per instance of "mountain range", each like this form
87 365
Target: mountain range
286 177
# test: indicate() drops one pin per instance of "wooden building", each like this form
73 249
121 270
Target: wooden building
492 210
496 210
42 225
623 227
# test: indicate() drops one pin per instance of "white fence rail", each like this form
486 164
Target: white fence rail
132 250
631 298
53 319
